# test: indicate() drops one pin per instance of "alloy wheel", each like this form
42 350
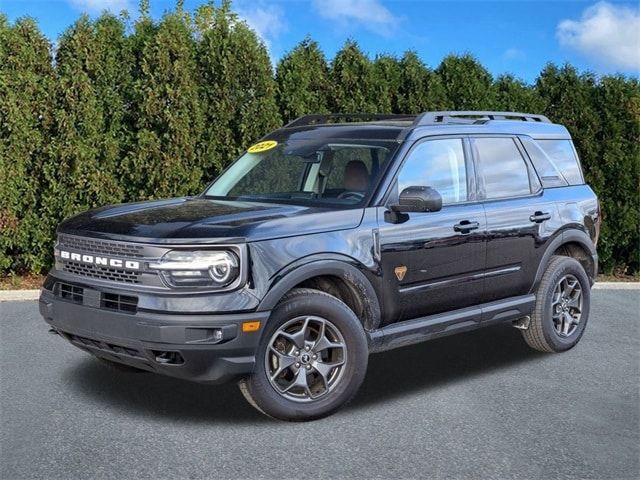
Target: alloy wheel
566 305
306 358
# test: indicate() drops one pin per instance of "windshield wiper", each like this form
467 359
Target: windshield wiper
263 197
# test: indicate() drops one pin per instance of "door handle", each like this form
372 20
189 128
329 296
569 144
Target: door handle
465 226
539 217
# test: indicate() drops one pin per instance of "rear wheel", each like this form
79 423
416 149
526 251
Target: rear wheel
311 360
562 307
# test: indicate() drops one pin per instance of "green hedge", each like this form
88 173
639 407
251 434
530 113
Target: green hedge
126 112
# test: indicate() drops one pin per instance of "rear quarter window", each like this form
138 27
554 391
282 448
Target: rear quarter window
564 157
547 170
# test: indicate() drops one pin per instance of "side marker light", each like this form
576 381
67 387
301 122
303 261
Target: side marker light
251 326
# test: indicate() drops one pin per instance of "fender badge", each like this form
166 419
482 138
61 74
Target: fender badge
400 272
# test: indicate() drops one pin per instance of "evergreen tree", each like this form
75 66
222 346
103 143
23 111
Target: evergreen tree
467 84
26 92
144 31
90 139
238 86
568 99
420 89
121 116
112 77
436 94
513 95
567 96
164 160
303 81
89 118
617 103
352 81
386 83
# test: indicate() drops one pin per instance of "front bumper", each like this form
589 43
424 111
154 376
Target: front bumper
175 344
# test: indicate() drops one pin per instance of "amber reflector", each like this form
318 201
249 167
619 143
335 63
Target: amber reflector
250 326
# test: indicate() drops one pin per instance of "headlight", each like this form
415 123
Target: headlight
215 269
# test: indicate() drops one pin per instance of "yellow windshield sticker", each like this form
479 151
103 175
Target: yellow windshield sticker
262 146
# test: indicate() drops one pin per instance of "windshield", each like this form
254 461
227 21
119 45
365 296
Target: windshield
319 172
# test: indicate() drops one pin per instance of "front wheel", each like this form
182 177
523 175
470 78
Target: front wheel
311 360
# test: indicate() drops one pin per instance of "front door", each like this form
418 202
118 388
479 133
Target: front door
433 262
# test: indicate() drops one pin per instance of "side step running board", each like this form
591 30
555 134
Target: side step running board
422 329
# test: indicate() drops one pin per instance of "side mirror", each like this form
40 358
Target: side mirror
414 199
418 199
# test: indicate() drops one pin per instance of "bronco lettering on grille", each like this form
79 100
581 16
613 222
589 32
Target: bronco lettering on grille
102 261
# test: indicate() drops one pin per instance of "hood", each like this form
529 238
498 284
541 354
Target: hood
196 220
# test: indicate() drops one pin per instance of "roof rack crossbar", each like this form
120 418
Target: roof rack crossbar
428 118
319 119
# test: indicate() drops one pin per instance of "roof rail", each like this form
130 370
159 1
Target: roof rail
319 119
426 118
475 116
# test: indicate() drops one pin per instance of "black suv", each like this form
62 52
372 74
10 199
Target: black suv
334 237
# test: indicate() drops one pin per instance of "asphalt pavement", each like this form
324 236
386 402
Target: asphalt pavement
479 405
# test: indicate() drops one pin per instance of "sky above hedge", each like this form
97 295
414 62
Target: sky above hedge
516 36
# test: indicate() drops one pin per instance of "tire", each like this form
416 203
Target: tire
307 387
121 367
550 329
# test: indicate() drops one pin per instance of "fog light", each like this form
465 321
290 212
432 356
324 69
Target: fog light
217 335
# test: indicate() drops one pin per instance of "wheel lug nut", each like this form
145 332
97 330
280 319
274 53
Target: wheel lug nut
315 356
308 367
307 348
297 352
297 364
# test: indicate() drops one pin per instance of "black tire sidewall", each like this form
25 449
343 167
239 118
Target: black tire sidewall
332 309
561 268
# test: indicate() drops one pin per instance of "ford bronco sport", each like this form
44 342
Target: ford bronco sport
332 238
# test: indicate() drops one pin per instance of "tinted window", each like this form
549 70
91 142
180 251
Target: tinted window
306 172
563 155
501 168
341 158
437 164
546 168
261 177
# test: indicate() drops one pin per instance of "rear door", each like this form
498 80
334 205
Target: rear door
433 261
520 218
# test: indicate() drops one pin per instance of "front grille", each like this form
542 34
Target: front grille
121 303
102 273
103 247
103 346
70 292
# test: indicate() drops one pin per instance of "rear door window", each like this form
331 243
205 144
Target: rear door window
502 170
564 156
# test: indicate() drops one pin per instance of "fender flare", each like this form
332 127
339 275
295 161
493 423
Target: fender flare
336 268
567 236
